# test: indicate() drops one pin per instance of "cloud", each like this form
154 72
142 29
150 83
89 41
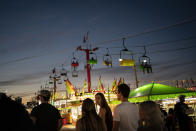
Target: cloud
27 84
24 79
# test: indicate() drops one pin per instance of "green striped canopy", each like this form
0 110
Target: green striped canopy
154 91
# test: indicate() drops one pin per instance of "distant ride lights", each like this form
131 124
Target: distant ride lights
144 61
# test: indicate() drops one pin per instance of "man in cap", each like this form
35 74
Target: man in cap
45 116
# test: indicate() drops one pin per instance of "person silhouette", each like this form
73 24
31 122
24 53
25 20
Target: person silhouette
126 114
104 112
90 120
181 115
45 116
14 116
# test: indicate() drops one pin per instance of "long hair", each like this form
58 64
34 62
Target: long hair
108 117
151 114
90 121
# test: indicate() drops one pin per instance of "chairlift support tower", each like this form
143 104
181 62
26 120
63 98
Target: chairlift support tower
88 68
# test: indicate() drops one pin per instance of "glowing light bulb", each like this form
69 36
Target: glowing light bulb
144 61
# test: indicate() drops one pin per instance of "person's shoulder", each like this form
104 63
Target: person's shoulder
178 103
53 107
82 119
127 104
49 106
79 124
133 106
46 105
118 106
79 120
35 109
39 107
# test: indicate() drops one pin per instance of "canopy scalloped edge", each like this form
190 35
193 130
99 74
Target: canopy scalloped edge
160 97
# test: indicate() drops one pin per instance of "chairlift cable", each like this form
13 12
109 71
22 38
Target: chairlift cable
156 43
149 31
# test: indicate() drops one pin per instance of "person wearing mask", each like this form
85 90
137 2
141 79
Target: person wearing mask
126 114
45 116
104 112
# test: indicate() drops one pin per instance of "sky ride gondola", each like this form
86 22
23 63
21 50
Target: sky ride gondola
74 66
74 73
126 56
50 80
63 72
59 81
144 61
107 59
93 58
47 85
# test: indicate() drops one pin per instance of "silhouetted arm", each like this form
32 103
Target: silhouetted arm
60 124
78 125
102 114
116 119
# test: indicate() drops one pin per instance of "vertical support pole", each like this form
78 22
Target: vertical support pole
54 87
108 94
88 70
135 71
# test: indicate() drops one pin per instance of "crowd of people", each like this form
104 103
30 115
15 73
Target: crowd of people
145 116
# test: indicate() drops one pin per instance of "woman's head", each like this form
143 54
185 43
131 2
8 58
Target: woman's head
149 111
171 111
100 100
90 119
88 106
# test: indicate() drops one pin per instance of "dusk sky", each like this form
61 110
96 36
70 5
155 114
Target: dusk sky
36 36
